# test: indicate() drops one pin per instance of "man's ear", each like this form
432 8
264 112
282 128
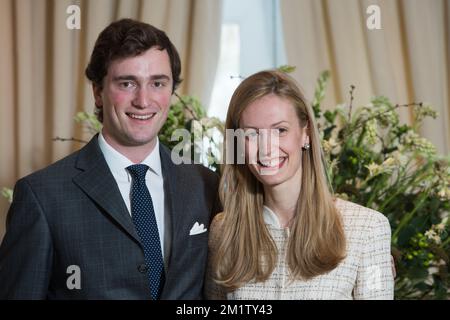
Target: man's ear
97 91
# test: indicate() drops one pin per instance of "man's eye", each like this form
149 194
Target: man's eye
159 84
127 84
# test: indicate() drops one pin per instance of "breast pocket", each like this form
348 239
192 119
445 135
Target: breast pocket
198 240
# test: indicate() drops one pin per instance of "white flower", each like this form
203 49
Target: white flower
433 270
389 162
331 146
374 169
400 158
437 239
421 144
371 131
430 234
444 193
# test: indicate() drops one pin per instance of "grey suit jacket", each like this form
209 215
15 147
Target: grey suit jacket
72 213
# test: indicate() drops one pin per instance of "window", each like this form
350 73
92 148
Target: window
252 40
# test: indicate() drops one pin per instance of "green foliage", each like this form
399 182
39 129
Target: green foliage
181 115
319 94
286 68
8 194
89 121
206 133
377 162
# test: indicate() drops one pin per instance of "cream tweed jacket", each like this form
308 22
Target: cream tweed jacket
365 273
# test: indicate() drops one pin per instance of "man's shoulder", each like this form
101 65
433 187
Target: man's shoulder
59 167
85 157
64 168
49 181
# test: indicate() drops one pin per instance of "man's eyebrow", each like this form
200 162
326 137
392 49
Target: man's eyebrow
125 77
160 77
134 78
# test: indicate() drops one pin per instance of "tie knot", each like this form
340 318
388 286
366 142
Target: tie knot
138 171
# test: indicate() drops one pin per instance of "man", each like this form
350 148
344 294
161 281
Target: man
117 219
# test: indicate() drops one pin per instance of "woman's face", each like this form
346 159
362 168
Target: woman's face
274 140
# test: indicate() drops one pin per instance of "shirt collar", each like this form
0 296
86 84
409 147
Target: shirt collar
271 218
118 163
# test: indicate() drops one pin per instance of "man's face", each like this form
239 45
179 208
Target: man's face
135 99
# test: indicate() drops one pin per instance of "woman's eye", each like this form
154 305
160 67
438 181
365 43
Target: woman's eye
251 133
280 131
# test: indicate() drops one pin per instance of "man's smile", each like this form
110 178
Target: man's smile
142 117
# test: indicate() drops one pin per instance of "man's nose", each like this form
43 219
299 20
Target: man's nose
142 98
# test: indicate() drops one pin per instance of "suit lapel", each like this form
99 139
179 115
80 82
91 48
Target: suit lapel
174 187
177 212
97 181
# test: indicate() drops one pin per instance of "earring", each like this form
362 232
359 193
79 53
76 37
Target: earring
306 146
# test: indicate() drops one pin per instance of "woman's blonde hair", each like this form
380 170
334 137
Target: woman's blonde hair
246 251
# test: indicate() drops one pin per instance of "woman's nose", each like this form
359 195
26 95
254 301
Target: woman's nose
268 144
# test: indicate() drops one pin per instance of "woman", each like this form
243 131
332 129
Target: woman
282 235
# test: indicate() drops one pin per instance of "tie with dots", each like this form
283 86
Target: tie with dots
143 215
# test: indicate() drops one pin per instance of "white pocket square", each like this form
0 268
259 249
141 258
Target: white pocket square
197 229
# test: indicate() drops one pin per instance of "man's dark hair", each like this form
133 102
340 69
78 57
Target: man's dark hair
129 38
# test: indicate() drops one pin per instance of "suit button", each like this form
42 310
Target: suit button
142 268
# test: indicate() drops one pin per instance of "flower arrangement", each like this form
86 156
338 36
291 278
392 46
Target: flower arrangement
377 162
372 160
204 144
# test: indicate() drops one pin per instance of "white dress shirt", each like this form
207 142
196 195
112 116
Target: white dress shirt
118 163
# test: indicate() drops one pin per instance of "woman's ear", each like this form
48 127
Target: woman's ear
305 142
306 127
306 132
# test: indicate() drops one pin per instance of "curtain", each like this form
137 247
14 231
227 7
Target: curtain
42 62
407 60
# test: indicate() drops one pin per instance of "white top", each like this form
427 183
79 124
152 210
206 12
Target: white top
365 273
118 163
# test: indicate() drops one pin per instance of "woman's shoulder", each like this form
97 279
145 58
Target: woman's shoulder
217 221
356 215
215 227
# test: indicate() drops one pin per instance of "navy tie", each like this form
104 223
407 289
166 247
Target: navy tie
143 215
